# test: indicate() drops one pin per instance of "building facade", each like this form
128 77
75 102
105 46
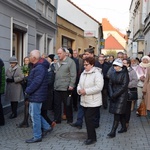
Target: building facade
115 41
77 28
136 42
26 25
147 28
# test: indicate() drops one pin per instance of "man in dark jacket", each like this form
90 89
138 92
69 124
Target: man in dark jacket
105 67
2 87
37 89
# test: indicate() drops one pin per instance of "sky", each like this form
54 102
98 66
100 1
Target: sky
116 11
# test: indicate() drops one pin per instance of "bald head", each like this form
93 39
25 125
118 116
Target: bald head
34 56
61 54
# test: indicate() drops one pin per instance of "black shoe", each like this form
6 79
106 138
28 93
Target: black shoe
33 140
22 125
111 135
122 130
44 133
2 124
96 126
13 116
76 125
89 141
138 115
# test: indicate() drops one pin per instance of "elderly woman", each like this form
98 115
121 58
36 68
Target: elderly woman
26 68
131 86
118 91
90 87
14 91
141 71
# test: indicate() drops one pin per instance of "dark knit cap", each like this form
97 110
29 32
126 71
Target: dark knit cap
70 51
51 56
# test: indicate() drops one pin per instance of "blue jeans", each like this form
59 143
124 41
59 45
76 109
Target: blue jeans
38 121
80 115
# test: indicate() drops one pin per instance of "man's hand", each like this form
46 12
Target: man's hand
26 96
70 88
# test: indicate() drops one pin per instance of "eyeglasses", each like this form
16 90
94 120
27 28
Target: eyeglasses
86 65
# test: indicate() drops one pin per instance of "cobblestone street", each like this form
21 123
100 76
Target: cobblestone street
65 137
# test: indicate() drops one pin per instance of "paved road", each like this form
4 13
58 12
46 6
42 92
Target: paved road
65 137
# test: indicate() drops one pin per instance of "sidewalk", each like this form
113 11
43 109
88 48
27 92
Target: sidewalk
65 137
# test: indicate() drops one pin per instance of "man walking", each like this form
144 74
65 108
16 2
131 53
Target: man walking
37 89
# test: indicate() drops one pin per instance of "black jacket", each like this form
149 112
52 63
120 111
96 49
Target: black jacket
118 91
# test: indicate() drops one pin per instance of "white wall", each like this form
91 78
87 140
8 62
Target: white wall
76 16
147 35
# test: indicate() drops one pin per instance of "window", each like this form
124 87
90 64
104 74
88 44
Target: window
41 6
38 41
50 14
66 42
18 43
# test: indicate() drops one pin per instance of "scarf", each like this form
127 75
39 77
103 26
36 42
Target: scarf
144 65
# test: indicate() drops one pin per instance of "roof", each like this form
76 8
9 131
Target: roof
112 43
108 27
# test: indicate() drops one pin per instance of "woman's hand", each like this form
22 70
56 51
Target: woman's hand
82 92
142 78
10 80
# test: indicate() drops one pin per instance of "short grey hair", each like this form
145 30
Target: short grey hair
132 58
35 53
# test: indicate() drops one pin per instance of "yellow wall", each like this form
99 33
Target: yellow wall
75 33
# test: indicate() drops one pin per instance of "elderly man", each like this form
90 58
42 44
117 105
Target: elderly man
65 78
37 89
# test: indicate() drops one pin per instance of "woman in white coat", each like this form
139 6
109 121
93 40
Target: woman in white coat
90 87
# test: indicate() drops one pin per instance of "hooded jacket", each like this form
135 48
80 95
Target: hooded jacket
37 86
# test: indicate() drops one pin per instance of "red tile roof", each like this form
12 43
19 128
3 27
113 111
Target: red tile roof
108 27
112 43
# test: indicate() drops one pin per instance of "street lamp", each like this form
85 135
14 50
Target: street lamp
128 33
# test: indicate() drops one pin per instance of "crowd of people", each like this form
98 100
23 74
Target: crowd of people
46 81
